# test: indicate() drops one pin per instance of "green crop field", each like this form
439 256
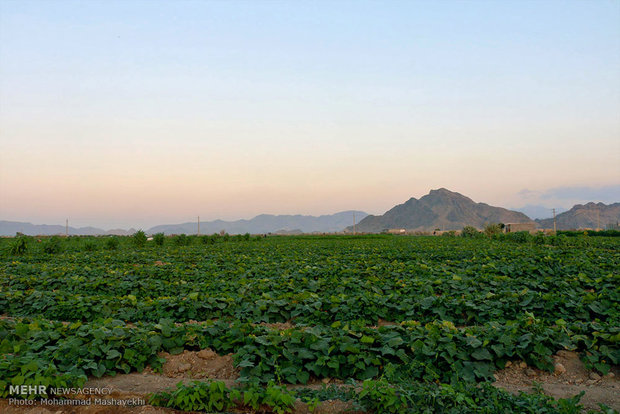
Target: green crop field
409 324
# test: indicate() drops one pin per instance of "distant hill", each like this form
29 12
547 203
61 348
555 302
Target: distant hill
586 216
440 209
121 232
267 223
264 223
9 228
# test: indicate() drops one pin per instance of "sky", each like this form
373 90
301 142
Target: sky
136 113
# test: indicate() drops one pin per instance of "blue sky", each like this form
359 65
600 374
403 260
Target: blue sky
151 111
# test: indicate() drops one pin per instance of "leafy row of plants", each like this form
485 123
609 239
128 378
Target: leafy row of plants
433 352
464 299
423 279
215 396
378 396
21 245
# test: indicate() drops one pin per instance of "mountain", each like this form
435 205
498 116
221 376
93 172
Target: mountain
121 232
267 223
9 228
588 216
439 209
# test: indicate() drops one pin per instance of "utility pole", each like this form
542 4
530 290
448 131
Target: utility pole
67 227
554 227
198 233
354 229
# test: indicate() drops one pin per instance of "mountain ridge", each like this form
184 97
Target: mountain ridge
267 223
440 209
263 223
585 216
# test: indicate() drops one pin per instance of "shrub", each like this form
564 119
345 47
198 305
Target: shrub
209 239
470 232
19 246
112 243
182 240
159 238
90 246
52 246
492 229
139 238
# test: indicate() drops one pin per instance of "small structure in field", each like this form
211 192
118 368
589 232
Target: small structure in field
515 227
396 231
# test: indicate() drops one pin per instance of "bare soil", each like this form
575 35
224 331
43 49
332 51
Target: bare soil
281 326
569 379
383 322
202 364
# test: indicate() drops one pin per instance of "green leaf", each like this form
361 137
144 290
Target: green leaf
303 376
113 353
482 354
473 341
394 342
367 339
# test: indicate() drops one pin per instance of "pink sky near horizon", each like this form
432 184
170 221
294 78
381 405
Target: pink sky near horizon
133 184
132 114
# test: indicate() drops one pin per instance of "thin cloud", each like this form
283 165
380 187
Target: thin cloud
538 204
606 194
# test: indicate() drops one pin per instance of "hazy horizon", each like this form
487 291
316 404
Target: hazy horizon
137 113
550 199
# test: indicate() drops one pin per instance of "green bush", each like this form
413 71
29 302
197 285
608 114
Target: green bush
182 240
159 238
139 238
19 246
90 246
209 239
470 232
52 246
492 229
112 243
